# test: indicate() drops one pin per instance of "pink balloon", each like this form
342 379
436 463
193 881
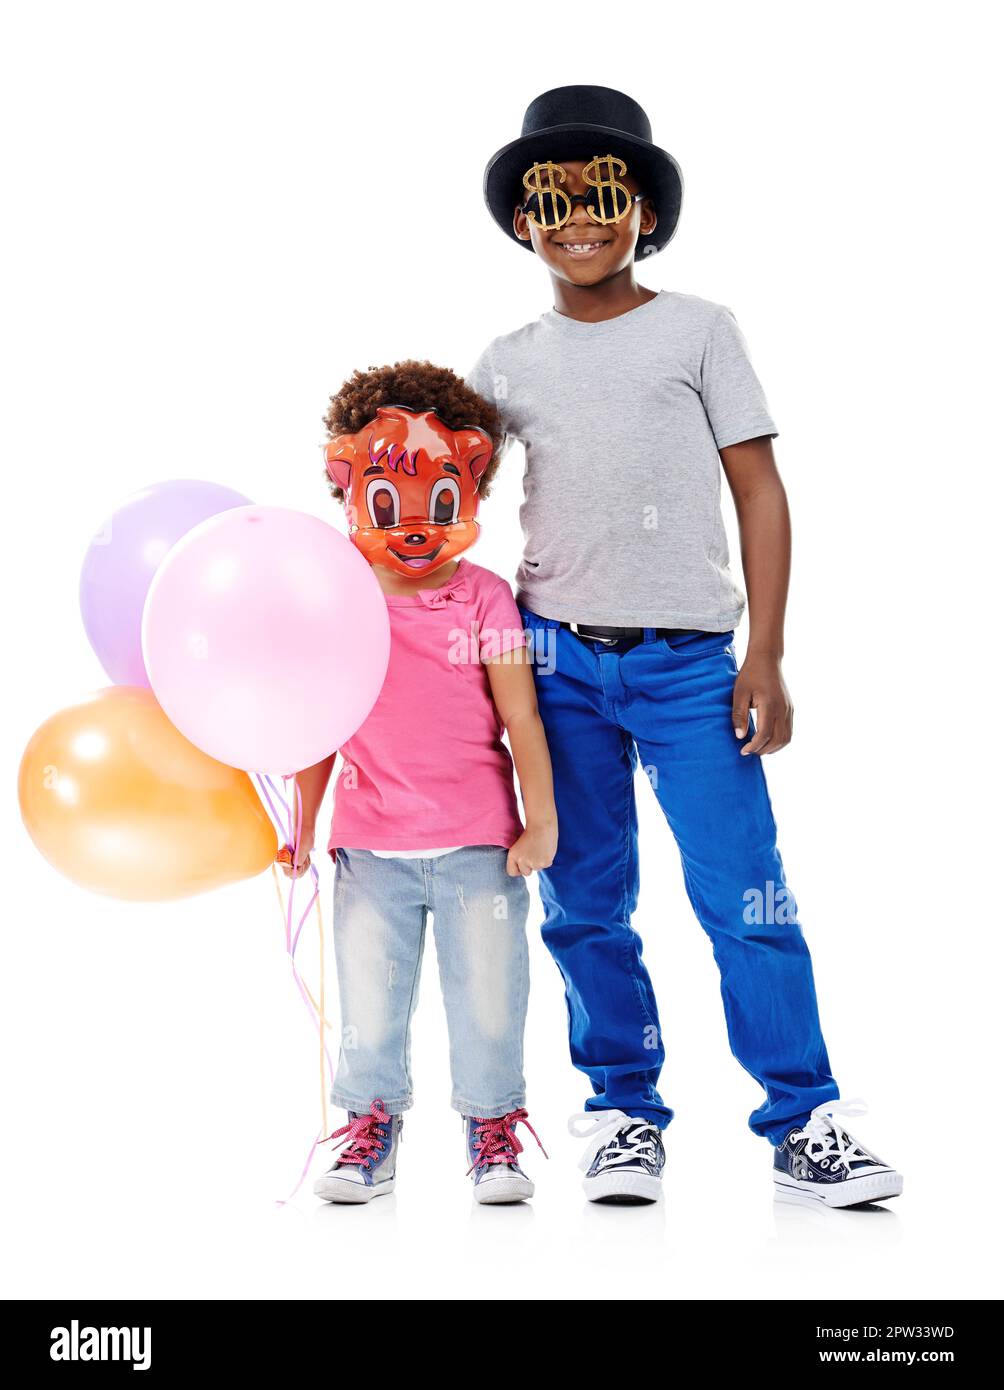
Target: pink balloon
266 638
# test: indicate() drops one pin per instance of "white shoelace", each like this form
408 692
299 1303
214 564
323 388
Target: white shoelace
600 1127
828 1139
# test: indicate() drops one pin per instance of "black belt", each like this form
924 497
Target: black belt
596 632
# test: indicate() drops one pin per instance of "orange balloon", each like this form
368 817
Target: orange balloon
121 803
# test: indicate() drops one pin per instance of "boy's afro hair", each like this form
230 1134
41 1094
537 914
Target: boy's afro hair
417 386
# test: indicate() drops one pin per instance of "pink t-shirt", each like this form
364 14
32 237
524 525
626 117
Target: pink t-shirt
428 766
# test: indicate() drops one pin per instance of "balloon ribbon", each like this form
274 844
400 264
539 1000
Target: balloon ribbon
293 829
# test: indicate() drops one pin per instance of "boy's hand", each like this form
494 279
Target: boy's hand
306 845
533 850
761 686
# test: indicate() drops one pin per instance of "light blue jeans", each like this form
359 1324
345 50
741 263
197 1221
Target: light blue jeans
381 908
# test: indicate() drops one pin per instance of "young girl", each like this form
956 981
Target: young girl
425 816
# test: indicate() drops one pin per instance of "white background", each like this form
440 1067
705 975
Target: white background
214 212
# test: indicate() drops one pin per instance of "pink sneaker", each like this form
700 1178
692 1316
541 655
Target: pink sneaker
367 1165
492 1148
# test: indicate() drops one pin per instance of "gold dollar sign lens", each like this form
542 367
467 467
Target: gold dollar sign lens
609 193
539 184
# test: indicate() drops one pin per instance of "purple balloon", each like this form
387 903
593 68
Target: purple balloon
123 557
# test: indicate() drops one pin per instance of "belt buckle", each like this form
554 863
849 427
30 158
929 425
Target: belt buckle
608 641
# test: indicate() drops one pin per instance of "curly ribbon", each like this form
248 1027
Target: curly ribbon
292 830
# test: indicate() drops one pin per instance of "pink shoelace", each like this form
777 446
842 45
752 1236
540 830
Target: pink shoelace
361 1138
496 1142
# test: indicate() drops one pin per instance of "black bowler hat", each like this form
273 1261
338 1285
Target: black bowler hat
579 122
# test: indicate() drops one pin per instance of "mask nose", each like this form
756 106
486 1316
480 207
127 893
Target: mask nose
415 538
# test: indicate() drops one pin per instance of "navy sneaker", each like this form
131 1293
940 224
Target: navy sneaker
823 1161
493 1150
625 1157
367 1164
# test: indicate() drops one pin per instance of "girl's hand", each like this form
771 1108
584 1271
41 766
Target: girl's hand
534 849
306 845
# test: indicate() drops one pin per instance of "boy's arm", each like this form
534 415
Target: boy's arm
765 540
511 680
312 783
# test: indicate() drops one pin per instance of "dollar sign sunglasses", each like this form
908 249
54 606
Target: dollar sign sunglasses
549 206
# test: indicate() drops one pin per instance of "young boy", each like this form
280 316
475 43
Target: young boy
629 401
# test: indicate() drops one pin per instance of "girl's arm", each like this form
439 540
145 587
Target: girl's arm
515 699
312 783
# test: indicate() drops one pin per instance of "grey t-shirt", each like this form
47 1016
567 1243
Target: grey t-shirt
622 422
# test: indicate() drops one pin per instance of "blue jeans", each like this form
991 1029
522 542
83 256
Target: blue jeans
668 701
381 907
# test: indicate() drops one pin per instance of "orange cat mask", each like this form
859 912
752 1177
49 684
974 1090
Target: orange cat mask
411 487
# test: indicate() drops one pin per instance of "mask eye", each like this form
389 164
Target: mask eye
383 502
444 504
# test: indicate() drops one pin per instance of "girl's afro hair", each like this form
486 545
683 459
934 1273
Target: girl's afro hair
417 386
